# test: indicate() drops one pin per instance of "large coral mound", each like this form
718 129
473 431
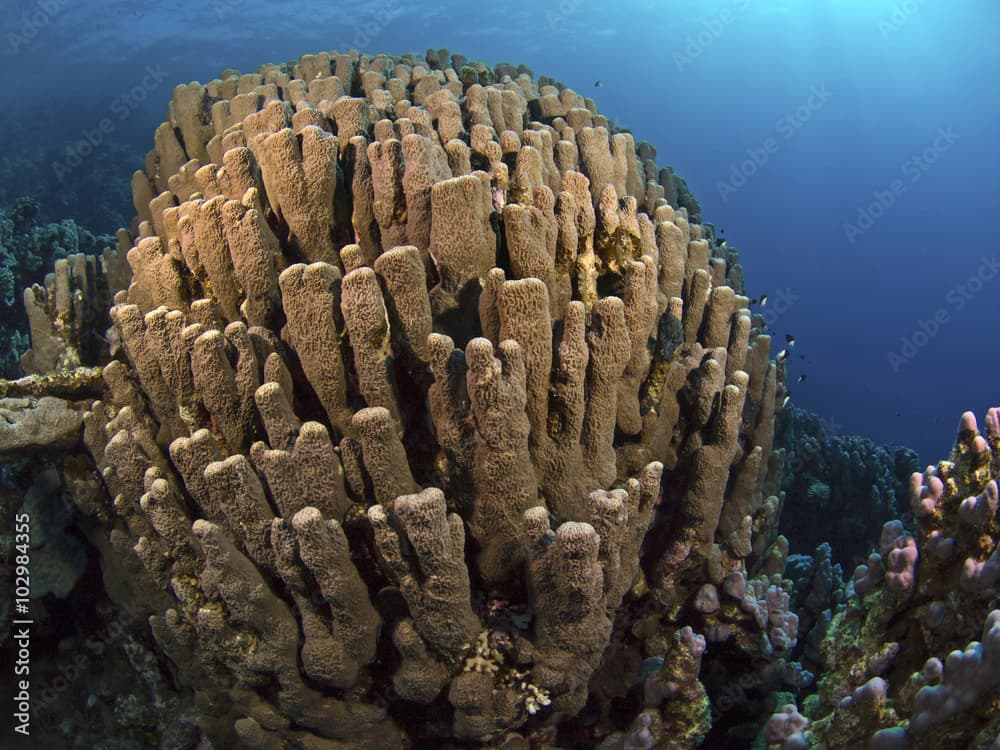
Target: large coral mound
436 419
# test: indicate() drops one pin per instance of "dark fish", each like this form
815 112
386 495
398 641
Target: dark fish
763 300
782 355
802 378
790 339
597 83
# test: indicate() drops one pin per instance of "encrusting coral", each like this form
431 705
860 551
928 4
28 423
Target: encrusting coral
434 414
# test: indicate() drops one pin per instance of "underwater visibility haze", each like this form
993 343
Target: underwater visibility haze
514 375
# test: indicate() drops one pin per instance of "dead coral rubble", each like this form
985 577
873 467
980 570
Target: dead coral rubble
429 396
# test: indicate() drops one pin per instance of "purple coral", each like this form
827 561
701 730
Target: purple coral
993 423
735 585
694 642
926 491
902 565
979 510
967 424
868 577
891 531
940 546
786 726
707 600
968 675
892 738
641 738
872 692
978 576
784 630
899 550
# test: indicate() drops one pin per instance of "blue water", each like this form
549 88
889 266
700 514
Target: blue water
848 148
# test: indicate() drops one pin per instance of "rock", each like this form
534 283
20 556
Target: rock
28 424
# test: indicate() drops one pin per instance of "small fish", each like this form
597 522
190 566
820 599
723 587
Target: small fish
802 378
763 300
787 399
790 339
597 83
650 667
782 355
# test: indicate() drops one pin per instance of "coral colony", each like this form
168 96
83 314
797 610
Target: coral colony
433 416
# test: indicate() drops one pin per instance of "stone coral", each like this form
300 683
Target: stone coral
401 335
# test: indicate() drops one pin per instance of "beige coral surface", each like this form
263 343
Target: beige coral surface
431 410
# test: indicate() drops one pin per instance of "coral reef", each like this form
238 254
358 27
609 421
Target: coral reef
911 661
28 249
46 159
420 410
839 489
434 417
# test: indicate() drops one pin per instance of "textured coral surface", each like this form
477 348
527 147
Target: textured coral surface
434 418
